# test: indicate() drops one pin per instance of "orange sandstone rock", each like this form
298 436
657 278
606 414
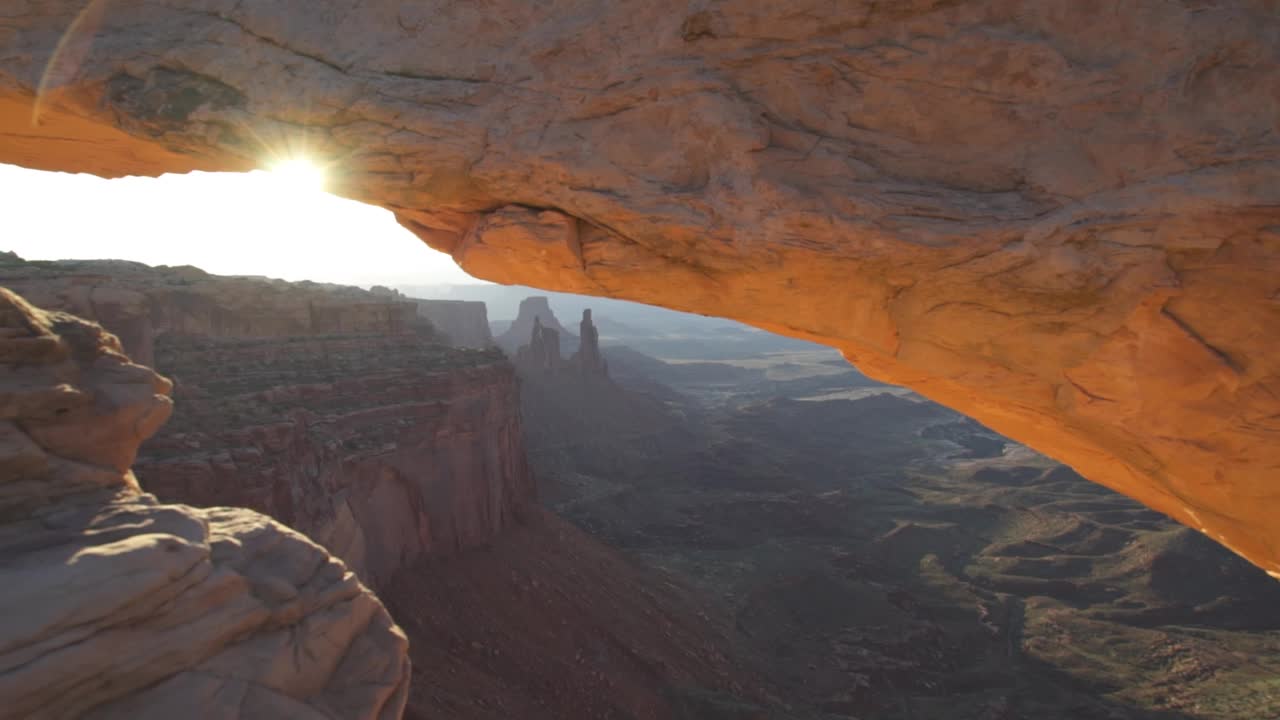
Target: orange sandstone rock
1058 217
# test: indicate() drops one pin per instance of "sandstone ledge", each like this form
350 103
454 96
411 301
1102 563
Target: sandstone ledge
117 606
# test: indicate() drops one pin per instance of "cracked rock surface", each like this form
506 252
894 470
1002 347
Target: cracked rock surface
1060 217
117 606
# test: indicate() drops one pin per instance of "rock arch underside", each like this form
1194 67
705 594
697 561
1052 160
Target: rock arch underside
1061 217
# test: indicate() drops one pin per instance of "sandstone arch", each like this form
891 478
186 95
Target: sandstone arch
1061 217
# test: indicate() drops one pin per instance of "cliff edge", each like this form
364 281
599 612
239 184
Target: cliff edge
118 606
337 411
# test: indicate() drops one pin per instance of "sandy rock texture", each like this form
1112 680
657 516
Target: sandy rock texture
117 606
1058 216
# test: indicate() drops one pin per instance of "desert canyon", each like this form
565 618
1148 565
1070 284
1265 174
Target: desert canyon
1059 218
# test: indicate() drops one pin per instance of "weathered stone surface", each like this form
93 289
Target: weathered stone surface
331 409
117 606
382 448
1058 217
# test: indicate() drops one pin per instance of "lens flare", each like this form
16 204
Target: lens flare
297 175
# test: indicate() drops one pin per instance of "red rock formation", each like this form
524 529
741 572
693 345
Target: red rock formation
542 354
535 310
588 359
461 323
117 606
465 323
1055 216
546 337
382 448
328 408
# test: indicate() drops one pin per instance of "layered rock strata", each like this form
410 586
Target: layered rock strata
382 448
461 323
465 323
331 409
1057 217
118 606
140 303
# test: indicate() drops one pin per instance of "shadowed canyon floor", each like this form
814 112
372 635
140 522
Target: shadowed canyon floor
884 557
338 412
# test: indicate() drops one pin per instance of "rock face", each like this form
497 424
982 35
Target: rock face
534 311
382 448
542 354
464 323
1057 217
328 408
588 359
117 606
461 323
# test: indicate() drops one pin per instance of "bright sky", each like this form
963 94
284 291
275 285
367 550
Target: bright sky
279 224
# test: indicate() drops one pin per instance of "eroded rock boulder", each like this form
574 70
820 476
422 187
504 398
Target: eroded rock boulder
117 606
1059 217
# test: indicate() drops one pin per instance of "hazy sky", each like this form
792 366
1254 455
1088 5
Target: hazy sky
275 224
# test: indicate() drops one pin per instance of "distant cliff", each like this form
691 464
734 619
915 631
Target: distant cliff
333 409
535 309
545 340
138 303
465 323
460 323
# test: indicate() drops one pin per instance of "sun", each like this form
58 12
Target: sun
297 175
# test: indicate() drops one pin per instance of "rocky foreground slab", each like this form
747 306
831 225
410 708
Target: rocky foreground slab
118 606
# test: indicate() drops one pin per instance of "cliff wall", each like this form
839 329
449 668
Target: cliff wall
381 448
464 322
117 606
332 409
534 310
